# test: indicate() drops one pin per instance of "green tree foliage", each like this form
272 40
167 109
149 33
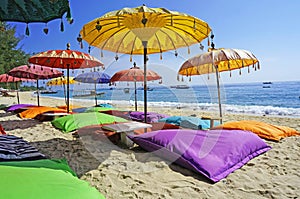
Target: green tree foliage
10 54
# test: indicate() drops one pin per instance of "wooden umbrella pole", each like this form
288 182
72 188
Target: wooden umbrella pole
135 94
145 80
96 93
18 98
68 88
219 94
38 92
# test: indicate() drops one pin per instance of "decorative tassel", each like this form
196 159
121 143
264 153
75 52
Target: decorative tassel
130 58
194 25
61 25
255 67
208 42
230 73
27 30
118 20
258 67
176 54
177 77
89 50
182 79
82 71
208 76
189 50
190 78
248 69
46 30
68 16
101 53
240 71
116 57
73 71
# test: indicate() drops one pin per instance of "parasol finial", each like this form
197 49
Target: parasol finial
68 46
134 64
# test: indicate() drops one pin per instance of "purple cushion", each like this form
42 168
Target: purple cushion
213 153
18 106
151 117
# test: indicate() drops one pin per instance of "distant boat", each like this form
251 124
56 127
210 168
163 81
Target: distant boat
86 93
266 86
180 86
45 92
126 90
267 82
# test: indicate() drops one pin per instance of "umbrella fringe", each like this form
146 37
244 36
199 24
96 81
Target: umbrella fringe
61 25
27 30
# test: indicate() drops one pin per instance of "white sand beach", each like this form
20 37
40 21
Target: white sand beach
123 173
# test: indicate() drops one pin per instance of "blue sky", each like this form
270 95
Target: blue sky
267 28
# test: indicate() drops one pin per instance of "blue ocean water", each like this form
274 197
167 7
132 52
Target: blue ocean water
280 98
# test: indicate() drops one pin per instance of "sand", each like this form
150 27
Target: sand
118 172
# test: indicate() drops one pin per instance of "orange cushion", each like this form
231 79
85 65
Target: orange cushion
263 130
35 111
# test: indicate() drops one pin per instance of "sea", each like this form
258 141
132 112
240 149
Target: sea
260 98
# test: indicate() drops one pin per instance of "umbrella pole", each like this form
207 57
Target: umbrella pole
219 95
68 87
95 93
17 93
38 92
145 80
135 98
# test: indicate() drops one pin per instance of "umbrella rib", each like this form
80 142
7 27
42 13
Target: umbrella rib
169 38
133 45
177 35
99 35
197 39
121 42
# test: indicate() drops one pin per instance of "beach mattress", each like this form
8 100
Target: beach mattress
13 148
189 122
75 121
43 179
262 129
212 153
151 116
35 111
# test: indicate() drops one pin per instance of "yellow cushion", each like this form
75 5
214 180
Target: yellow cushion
262 129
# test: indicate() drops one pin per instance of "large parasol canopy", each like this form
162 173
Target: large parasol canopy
93 78
142 31
219 60
134 74
35 72
5 78
34 11
65 59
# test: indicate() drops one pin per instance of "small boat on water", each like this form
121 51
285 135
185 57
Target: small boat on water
266 86
267 82
86 93
126 90
45 92
180 86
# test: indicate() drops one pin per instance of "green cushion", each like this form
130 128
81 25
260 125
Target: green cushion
75 121
98 109
43 179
